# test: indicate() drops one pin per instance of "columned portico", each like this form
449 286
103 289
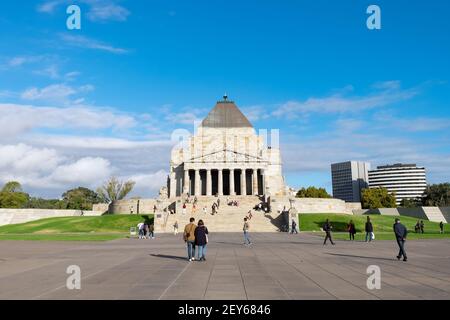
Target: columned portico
243 182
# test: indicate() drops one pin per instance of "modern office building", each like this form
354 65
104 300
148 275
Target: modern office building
348 179
407 181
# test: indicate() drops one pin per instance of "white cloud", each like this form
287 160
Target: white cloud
338 103
49 6
18 119
107 11
88 43
53 93
86 171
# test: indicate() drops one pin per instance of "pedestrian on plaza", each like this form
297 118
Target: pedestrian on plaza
441 227
184 209
201 240
351 230
194 208
327 227
246 229
151 229
146 231
141 230
400 234
189 238
218 203
422 226
369 230
417 227
175 228
205 210
250 215
294 227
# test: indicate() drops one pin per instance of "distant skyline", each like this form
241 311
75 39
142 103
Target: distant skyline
77 106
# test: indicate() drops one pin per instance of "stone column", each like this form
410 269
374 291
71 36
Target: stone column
255 182
220 182
243 183
208 183
173 185
197 190
232 192
186 181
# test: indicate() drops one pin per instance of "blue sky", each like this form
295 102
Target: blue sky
78 106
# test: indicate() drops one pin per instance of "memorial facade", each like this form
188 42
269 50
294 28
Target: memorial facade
226 156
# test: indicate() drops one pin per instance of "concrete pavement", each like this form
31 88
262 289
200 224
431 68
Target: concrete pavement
277 266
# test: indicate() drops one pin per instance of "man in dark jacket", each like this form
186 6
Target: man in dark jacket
327 228
400 234
369 229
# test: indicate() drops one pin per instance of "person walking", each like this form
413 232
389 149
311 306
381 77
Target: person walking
205 211
151 229
351 230
369 230
175 228
146 231
184 209
189 238
294 227
441 227
246 229
422 226
400 234
327 227
201 240
141 230
218 203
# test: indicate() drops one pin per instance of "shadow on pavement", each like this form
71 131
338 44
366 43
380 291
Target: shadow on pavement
168 256
362 257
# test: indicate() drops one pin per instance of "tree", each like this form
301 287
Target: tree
114 190
312 192
80 198
12 196
377 198
12 186
409 203
437 195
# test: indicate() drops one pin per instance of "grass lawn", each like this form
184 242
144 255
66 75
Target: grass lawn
382 226
101 228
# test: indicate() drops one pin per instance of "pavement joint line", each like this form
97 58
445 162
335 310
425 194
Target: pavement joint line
240 273
399 276
210 273
276 280
298 270
82 278
175 280
338 276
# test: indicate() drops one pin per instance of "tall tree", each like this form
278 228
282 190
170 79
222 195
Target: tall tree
437 195
80 198
12 196
377 198
12 186
114 190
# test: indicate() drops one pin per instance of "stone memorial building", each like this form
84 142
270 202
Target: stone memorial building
225 157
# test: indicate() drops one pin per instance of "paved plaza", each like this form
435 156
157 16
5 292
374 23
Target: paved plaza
277 266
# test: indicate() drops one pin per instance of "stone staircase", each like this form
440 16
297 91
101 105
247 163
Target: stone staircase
228 218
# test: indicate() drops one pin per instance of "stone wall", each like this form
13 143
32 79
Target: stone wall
434 214
314 205
132 206
14 216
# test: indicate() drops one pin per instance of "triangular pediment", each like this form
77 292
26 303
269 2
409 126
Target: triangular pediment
226 156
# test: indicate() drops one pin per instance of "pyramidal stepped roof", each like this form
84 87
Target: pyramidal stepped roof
226 115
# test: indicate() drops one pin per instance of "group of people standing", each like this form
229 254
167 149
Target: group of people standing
146 230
